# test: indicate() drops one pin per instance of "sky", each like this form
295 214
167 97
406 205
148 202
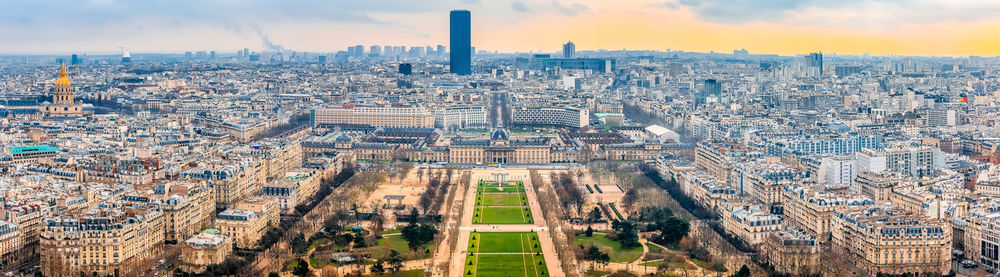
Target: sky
785 27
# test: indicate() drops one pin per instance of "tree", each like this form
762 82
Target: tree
743 272
359 241
627 235
590 231
417 236
395 261
672 230
414 216
273 274
377 268
595 215
300 244
301 268
630 197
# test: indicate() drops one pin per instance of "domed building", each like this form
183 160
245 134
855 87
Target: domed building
62 104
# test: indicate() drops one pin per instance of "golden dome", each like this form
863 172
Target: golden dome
63 81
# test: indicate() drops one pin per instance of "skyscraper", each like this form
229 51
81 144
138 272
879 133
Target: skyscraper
569 50
461 42
74 60
815 61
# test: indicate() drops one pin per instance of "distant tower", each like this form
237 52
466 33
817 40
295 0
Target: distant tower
74 60
461 42
62 93
815 61
569 50
126 57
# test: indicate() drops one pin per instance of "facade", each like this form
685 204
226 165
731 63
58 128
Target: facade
550 116
460 117
32 154
293 189
749 222
9 243
811 208
63 104
233 180
916 161
499 149
792 251
204 249
881 239
461 42
100 241
247 221
569 50
377 116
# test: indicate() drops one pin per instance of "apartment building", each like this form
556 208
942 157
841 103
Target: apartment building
187 206
207 248
9 243
751 223
791 251
811 208
233 179
378 116
570 117
102 241
882 239
293 189
460 117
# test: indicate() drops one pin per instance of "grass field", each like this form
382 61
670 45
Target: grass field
502 199
500 189
521 255
505 215
501 204
395 242
613 248
504 243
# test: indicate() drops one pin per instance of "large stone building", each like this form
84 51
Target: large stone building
881 239
62 104
101 241
499 149
204 249
378 116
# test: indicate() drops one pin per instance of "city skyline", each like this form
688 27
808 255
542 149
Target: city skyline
920 28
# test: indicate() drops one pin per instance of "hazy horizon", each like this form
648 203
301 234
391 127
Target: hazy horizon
897 27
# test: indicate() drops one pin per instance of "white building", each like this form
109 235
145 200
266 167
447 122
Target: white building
561 116
460 117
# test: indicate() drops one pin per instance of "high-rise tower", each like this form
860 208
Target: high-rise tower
569 50
461 42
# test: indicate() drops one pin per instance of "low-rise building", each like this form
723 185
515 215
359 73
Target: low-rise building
207 248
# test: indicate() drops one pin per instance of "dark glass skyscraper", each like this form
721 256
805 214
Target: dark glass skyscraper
461 42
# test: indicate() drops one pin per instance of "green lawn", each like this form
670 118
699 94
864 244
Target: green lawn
395 242
652 264
491 265
501 199
613 248
500 189
490 242
655 249
521 215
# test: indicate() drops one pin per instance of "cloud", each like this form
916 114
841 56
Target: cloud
847 12
572 9
473 2
519 7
